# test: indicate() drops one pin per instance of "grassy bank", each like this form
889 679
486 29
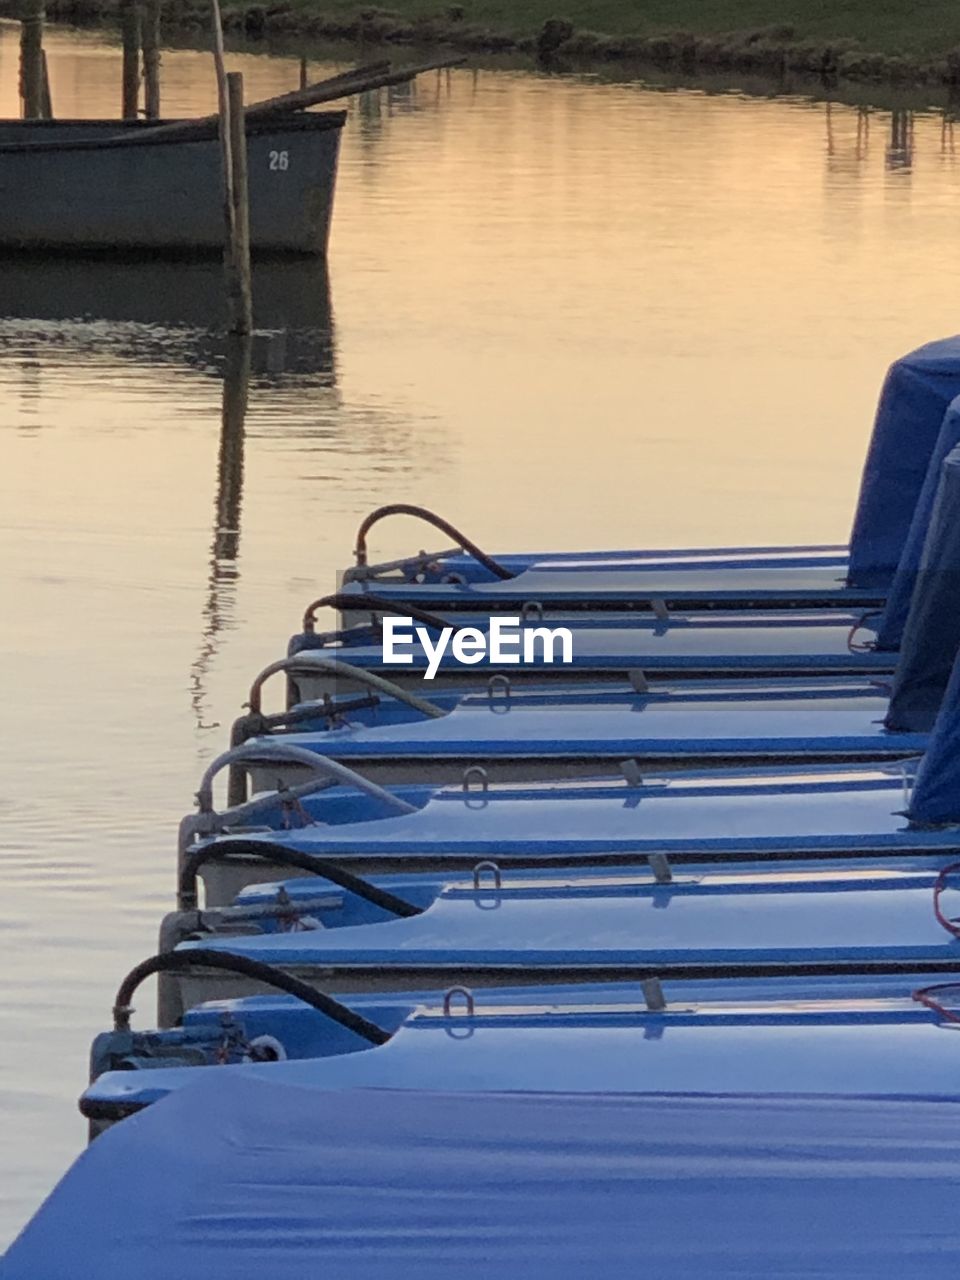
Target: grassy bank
924 28
867 40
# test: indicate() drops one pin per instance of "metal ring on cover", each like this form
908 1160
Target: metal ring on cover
499 682
467 996
475 771
487 865
531 611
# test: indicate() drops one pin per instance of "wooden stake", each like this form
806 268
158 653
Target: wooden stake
242 307
342 86
233 157
223 130
31 58
130 38
47 98
151 59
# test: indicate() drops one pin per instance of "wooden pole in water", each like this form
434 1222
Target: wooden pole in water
233 157
151 59
241 309
130 39
47 97
31 58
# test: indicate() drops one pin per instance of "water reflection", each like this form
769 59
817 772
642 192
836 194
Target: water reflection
947 147
846 146
899 153
168 312
223 577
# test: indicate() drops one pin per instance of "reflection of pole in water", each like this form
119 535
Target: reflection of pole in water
31 391
223 574
230 467
863 132
846 149
900 146
947 147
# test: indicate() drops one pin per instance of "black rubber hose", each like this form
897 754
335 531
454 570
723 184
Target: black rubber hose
286 856
346 600
257 724
438 522
177 961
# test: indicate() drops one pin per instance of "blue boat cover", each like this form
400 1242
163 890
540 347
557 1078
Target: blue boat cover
915 396
236 1179
931 636
894 619
936 794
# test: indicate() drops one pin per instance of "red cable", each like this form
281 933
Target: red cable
924 996
951 926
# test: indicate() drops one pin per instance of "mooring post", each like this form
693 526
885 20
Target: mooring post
241 311
31 58
233 156
47 96
151 59
130 40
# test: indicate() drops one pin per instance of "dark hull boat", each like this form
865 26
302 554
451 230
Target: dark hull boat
84 185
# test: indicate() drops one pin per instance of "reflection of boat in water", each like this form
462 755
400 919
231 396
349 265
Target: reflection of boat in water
168 312
83 184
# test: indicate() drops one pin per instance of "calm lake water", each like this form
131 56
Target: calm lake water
560 312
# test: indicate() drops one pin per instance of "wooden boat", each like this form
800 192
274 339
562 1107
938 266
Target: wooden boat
86 185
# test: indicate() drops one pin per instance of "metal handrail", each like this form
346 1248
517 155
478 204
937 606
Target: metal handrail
311 660
283 753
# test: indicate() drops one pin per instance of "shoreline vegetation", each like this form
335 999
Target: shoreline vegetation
908 42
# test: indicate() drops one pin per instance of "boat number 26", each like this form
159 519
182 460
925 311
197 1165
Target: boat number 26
279 161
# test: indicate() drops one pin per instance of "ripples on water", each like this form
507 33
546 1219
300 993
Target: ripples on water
560 312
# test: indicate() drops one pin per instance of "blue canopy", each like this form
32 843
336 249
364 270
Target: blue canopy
936 795
915 396
236 1179
931 637
894 619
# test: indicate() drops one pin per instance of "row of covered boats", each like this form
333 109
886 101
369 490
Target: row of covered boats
702 880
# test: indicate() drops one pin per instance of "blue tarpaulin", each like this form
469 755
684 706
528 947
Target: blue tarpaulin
239 1179
936 794
890 631
931 636
915 396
